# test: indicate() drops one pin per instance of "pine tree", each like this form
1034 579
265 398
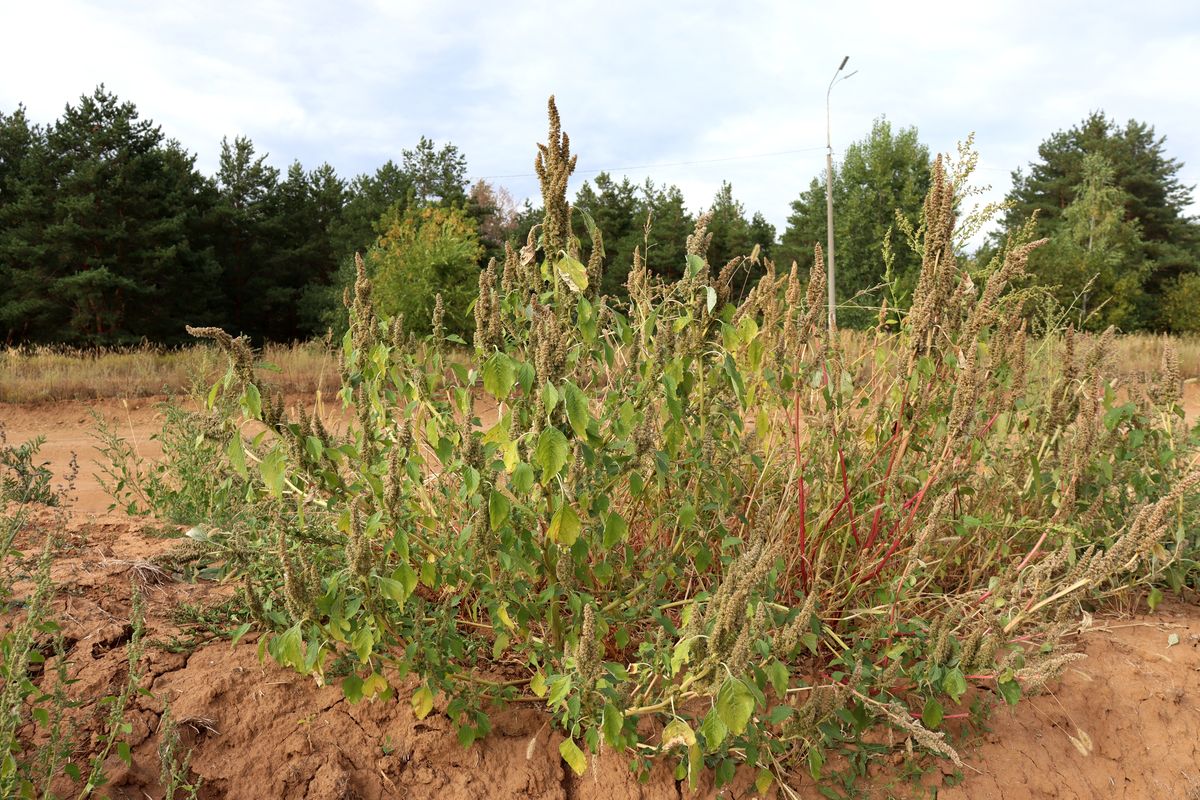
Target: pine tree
245 217
1152 196
27 312
117 243
1095 262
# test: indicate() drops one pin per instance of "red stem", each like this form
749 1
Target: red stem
846 499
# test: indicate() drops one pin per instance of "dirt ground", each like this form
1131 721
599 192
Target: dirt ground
1123 723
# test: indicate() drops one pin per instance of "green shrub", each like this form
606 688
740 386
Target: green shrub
703 515
426 257
1181 306
21 479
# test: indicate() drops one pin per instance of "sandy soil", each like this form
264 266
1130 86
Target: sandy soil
1124 723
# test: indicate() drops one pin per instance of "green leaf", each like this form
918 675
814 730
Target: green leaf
272 467
289 648
577 409
392 590
498 509
252 402
237 456
932 714
522 478
955 684
1010 690
499 646
816 760
562 687
551 452
612 721
670 391
615 530
422 702
735 705
574 757
777 673
573 273
565 525
779 714
499 375
592 229
1156 597
537 684
713 730
681 654
550 397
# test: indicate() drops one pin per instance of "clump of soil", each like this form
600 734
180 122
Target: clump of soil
1125 722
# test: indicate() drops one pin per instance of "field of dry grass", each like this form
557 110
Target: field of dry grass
43 375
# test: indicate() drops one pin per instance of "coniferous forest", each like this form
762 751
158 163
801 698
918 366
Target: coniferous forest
110 235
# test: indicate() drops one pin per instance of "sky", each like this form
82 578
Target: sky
685 93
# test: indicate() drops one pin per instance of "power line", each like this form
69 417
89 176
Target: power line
661 164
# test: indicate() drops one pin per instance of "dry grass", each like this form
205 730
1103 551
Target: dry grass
48 374
1137 353
43 374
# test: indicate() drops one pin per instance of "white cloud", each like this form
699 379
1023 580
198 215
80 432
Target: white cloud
637 82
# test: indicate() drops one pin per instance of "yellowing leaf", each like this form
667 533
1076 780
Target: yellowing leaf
374 685
564 526
677 732
573 273
574 757
763 782
422 702
735 705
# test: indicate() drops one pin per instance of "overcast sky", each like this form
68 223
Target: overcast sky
739 86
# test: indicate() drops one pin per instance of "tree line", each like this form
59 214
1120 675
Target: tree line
110 235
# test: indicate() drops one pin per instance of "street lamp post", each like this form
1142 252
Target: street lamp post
829 195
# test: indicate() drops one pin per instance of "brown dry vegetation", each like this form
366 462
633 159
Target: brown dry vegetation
42 375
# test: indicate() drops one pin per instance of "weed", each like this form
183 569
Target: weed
21 479
175 768
705 513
